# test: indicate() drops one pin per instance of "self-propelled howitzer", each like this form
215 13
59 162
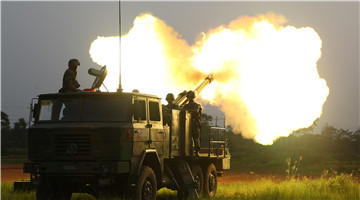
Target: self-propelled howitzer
116 143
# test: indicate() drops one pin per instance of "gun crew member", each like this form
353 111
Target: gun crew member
167 110
195 110
70 83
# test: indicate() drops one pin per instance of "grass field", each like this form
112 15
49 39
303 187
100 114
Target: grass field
328 186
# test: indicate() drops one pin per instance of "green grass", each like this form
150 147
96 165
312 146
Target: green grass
328 186
264 162
343 186
8 193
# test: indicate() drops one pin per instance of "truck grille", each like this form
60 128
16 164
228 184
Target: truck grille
72 145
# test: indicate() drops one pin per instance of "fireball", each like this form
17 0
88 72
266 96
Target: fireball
266 78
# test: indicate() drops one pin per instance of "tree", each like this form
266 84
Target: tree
5 122
5 130
206 119
19 133
20 125
356 141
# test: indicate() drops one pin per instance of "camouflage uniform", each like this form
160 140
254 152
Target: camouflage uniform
195 110
70 83
167 110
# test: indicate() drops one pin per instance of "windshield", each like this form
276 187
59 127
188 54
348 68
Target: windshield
90 109
64 110
110 109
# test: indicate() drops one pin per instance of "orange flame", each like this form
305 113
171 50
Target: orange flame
266 80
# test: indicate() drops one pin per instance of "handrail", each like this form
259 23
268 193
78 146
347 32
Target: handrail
212 141
31 111
217 128
218 142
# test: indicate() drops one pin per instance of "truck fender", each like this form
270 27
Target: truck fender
149 157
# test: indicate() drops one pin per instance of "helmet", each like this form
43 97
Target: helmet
74 62
170 96
190 94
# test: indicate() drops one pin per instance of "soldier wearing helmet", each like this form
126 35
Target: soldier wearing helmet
167 110
70 83
170 99
195 110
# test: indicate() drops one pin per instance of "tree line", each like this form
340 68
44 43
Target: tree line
12 137
329 147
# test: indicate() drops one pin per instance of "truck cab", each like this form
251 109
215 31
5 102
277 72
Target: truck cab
91 136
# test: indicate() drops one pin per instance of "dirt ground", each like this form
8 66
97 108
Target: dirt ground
12 172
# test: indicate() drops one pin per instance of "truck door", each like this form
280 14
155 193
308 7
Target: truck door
157 134
140 123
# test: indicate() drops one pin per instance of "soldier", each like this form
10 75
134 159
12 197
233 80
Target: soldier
195 110
170 99
167 110
70 83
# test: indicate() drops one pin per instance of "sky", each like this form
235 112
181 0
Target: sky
38 39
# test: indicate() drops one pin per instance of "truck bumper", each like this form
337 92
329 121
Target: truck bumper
24 185
46 167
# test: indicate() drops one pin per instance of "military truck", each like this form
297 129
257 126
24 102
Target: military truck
115 143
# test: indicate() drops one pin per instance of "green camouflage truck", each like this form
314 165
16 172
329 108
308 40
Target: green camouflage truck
115 143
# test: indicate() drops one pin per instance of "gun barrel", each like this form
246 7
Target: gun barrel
205 83
181 99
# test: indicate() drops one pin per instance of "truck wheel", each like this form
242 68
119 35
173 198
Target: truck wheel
68 195
199 179
182 195
63 195
146 185
43 193
210 181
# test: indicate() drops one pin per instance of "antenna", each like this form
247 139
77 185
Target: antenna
120 88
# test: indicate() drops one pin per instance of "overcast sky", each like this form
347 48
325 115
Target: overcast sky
38 39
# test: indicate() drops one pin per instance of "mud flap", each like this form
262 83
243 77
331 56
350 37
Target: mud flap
184 178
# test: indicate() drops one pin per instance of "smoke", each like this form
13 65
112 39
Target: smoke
154 58
266 80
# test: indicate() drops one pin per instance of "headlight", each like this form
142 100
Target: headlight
104 168
35 168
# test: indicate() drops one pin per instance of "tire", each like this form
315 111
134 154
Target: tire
68 195
182 195
210 181
43 193
146 185
48 194
50 190
199 179
62 195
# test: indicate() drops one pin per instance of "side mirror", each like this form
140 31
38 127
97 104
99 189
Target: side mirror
35 110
